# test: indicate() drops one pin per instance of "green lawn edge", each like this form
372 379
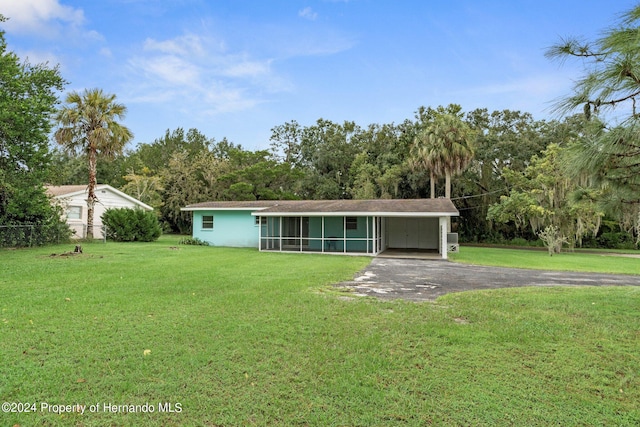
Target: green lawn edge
580 261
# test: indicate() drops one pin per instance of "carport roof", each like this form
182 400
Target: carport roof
381 207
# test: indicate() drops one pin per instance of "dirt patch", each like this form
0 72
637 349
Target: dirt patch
623 255
76 251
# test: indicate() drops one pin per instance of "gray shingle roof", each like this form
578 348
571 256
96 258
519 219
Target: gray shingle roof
400 206
59 190
257 204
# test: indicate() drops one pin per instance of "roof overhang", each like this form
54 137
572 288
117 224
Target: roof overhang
351 213
78 190
196 208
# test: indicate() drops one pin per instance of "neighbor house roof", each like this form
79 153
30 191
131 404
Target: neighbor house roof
66 191
383 207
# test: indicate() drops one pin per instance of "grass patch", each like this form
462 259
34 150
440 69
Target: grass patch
238 337
540 260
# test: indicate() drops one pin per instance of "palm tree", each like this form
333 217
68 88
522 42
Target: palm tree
88 125
443 147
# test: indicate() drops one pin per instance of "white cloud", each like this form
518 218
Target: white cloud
41 17
314 42
242 66
189 44
172 70
222 99
199 76
106 52
532 93
308 13
536 86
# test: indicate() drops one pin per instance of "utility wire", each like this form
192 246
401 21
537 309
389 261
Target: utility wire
479 195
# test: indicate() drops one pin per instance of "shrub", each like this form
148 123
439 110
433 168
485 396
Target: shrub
131 225
615 240
37 225
192 241
552 239
519 241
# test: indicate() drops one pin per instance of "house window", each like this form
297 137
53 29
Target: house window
74 212
351 223
207 222
261 220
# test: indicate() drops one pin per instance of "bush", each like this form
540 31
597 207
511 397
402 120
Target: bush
192 241
519 241
30 234
36 223
131 225
615 240
552 239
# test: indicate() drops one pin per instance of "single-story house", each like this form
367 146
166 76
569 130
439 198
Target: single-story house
73 199
364 227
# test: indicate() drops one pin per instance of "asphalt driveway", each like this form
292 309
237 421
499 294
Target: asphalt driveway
425 280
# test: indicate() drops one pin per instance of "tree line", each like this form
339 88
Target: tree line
512 183
325 160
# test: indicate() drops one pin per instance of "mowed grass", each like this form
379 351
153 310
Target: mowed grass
588 261
237 337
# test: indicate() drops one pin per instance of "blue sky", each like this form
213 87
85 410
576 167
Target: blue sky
236 69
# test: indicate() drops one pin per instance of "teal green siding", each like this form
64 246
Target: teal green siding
230 228
360 232
315 232
334 226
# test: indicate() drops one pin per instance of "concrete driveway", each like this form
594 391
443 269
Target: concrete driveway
426 280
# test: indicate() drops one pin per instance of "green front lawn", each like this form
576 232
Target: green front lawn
235 337
599 262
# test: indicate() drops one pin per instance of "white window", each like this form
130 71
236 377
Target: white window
74 212
207 222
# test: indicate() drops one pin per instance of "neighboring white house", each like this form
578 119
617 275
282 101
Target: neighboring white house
73 199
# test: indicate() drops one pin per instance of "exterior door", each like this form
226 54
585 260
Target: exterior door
396 229
412 233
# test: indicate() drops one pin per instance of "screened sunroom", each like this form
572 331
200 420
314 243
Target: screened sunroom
321 233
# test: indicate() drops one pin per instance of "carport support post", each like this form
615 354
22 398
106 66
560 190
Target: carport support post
443 236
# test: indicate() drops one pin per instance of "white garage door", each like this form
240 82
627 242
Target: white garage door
412 233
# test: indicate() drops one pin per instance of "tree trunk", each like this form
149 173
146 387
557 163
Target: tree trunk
91 197
432 181
447 194
447 185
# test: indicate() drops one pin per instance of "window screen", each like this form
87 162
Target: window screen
351 223
207 221
74 212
